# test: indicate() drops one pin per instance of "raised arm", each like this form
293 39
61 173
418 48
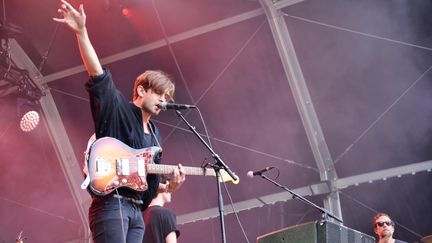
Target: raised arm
76 20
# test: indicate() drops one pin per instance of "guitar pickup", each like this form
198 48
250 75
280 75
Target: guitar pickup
123 167
102 167
141 167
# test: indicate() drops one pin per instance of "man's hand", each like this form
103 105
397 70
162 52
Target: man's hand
179 176
76 20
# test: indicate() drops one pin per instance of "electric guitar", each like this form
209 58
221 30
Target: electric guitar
112 164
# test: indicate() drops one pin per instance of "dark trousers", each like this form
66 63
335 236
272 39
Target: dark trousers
115 220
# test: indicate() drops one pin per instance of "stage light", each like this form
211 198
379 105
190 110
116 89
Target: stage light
122 7
28 114
29 121
125 12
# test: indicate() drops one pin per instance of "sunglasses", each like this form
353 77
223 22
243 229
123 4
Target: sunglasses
381 224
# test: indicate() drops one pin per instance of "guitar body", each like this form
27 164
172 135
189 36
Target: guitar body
113 164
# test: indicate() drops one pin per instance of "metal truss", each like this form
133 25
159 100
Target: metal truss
58 135
14 80
304 103
320 188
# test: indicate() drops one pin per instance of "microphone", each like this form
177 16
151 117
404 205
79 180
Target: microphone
174 106
259 172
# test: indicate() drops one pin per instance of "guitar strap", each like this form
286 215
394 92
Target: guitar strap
153 134
86 181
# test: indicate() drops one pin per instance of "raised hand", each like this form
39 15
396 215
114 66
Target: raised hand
76 20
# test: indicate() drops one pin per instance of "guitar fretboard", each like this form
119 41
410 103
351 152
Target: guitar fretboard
168 169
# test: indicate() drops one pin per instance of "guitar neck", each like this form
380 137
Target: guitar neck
168 169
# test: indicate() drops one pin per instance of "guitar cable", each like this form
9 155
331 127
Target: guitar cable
121 215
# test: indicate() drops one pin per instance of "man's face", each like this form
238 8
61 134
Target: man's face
150 100
384 227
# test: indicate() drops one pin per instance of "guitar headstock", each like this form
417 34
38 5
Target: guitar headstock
226 177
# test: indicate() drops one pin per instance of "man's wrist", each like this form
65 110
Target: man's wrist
82 32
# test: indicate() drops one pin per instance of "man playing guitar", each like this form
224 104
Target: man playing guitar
116 217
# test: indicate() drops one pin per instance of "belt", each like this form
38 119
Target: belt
133 200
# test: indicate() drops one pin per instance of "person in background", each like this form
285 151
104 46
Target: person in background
384 228
160 222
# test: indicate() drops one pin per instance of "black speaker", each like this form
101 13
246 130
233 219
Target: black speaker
316 232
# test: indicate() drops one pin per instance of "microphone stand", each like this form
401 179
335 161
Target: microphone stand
220 164
323 211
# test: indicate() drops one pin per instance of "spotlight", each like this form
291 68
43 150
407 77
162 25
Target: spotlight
29 121
125 12
28 115
123 8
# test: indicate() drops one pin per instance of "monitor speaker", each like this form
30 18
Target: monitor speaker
316 232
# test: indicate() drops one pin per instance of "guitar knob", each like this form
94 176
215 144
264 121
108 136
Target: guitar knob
124 181
116 183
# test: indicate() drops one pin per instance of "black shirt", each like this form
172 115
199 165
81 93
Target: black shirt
159 222
114 116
